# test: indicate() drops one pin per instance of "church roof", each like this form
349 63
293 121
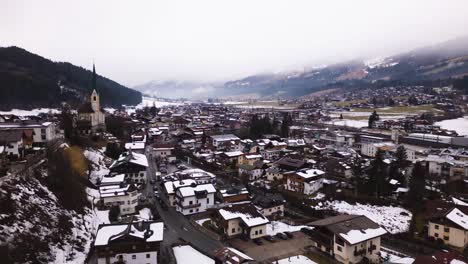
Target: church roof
85 108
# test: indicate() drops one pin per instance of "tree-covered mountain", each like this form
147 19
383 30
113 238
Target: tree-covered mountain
28 80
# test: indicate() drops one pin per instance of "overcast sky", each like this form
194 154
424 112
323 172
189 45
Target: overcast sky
134 42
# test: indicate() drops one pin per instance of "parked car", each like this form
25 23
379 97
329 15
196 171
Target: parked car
163 205
163 170
244 237
269 239
282 236
181 167
155 188
258 241
152 181
289 234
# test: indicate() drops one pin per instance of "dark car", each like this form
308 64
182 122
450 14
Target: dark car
163 170
152 181
155 188
244 237
258 241
282 236
181 167
269 239
289 234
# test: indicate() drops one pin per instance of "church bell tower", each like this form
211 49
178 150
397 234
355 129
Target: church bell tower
94 95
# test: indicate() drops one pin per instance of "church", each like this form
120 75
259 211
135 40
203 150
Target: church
90 116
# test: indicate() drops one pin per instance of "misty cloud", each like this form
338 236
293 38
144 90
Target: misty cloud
135 42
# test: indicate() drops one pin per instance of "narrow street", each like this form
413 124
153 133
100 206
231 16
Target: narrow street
178 227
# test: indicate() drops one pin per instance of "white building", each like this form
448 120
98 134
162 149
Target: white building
133 165
125 197
131 243
162 151
195 198
306 181
43 131
170 188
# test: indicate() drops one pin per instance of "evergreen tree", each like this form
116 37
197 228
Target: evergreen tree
373 118
417 187
357 174
377 182
287 122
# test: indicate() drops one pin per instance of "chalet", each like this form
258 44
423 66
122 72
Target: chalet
270 204
253 172
290 163
349 238
170 188
132 243
306 181
162 150
194 198
233 194
121 195
450 226
226 142
198 175
42 132
241 219
274 173
446 167
12 143
133 165
138 147
250 159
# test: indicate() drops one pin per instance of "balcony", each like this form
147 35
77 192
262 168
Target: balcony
359 252
372 248
188 206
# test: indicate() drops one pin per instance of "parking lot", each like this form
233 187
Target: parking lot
269 251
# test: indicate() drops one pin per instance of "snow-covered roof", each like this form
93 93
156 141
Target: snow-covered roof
114 190
458 217
310 173
149 231
187 254
232 154
357 236
246 212
171 186
253 156
134 145
188 191
133 157
112 179
225 137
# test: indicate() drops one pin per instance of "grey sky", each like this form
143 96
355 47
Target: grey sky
134 42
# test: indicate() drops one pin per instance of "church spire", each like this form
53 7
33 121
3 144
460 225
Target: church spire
93 81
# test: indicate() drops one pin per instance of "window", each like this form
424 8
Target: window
260 231
233 230
436 235
446 229
43 137
133 256
190 202
339 248
256 232
43 130
191 211
436 226
207 200
148 255
446 238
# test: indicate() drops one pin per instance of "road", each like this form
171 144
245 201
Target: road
178 228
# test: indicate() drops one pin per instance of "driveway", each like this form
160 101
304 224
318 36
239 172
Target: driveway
269 252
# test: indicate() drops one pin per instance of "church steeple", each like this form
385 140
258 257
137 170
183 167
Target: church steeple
93 81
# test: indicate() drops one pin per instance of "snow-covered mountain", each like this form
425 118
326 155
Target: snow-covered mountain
176 89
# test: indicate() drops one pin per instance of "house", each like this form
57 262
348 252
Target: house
198 175
306 181
226 142
230 158
349 238
250 159
232 256
90 116
233 194
162 150
170 188
131 243
12 143
370 149
241 219
133 165
446 167
42 132
121 195
138 147
253 172
291 163
274 173
450 226
270 204
194 198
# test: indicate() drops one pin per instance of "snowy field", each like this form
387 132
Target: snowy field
187 254
460 125
299 259
349 123
394 219
275 227
33 112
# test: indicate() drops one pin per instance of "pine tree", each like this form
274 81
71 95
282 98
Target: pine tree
357 174
417 187
377 182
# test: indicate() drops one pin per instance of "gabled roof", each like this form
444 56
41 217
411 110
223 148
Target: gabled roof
352 228
246 212
130 157
144 231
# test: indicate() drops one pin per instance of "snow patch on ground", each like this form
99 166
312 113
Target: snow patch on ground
349 123
460 125
98 164
393 219
187 254
145 214
299 259
275 227
33 112
201 221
